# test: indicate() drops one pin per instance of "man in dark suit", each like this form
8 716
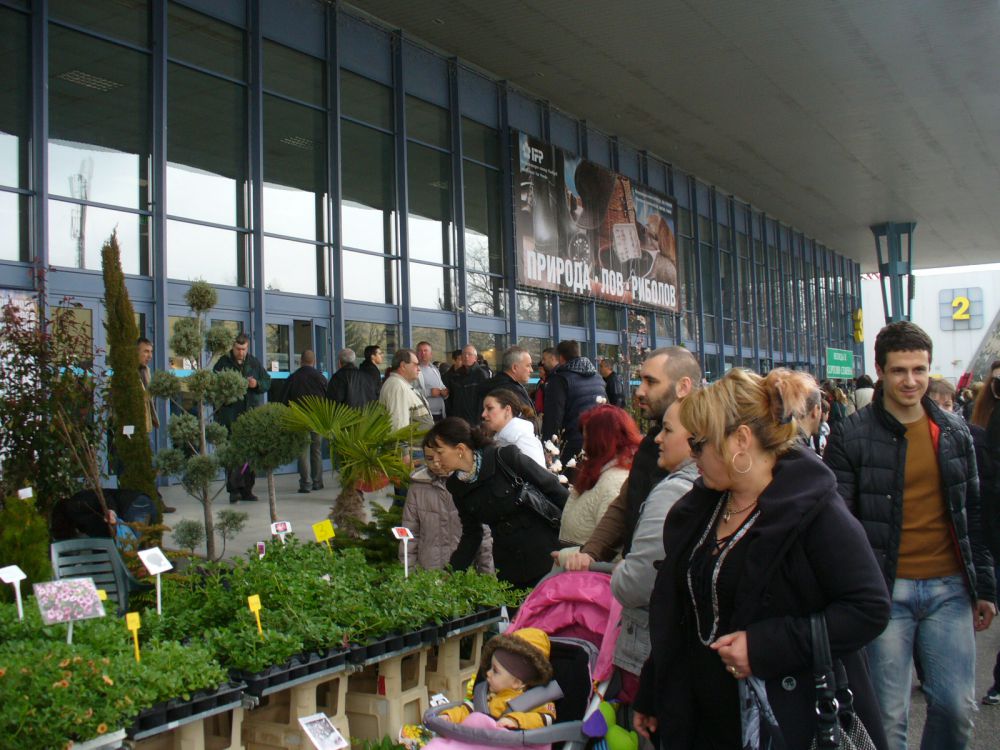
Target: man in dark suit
350 385
308 381
516 364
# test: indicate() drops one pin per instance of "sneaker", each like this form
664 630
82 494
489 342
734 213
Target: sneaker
992 696
303 490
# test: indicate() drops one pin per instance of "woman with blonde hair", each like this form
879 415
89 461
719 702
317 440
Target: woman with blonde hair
761 542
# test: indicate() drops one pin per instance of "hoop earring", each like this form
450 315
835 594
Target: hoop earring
749 462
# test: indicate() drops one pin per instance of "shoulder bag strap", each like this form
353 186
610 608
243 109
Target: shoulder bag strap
827 725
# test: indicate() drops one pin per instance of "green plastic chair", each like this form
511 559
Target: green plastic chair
98 559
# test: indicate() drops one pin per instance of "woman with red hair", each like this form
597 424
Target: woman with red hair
610 440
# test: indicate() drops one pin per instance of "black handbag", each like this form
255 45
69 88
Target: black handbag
529 496
837 725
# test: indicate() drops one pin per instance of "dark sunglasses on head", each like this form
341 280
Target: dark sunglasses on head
696 446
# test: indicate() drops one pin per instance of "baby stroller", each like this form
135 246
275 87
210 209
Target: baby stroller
580 615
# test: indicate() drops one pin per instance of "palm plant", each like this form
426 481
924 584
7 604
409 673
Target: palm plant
365 447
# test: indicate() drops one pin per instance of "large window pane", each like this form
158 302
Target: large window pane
427 122
432 287
127 20
363 99
358 334
77 234
294 170
370 278
14 102
277 355
292 266
480 143
199 252
483 223
442 341
206 148
98 120
572 313
484 294
607 317
533 307
368 208
205 42
490 346
13 227
294 74
430 228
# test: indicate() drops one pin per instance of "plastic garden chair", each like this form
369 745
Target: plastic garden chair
98 559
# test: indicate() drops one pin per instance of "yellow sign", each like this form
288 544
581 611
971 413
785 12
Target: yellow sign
859 325
102 595
961 305
133 623
323 530
254 604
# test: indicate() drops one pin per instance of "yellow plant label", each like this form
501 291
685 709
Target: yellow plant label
103 596
323 530
254 602
132 621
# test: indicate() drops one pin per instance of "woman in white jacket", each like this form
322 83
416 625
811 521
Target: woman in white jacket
511 422
633 577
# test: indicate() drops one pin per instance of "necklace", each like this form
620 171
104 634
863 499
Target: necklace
731 511
715 571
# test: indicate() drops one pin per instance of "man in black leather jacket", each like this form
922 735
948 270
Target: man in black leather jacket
907 470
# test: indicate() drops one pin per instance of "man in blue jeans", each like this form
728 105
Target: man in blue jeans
907 470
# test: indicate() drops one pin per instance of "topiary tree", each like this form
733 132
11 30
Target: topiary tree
193 435
126 395
262 438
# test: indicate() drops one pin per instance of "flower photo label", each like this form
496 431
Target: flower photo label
68 600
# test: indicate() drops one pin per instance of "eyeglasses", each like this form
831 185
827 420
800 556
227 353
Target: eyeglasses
696 446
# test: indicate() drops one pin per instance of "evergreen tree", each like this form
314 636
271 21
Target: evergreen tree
126 395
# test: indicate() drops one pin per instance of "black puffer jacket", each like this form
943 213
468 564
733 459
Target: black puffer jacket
867 452
570 390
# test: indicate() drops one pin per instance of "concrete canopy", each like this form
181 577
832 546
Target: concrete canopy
831 116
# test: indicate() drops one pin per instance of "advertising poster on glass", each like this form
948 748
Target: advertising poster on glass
584 230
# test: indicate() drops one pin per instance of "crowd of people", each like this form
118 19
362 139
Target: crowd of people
748 506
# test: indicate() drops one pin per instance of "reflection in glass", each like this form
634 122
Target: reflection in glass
235 327
206 42
294 169
98 120
490 346
293 73
13 227
431 287
368 215
480 143
199 252
607 317
14 98
359 334
276 342
77 234
533 307
363 99
534 346
427 122
442 341
607 351
370 278
484 294
572 313
430 229
483 219
291 266
206 148
124 20
79 324
664 328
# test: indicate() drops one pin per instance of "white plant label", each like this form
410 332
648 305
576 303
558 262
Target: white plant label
401 532
155 561
26 493
12 574
128 430
322 733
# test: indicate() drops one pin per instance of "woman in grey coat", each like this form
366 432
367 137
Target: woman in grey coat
633 577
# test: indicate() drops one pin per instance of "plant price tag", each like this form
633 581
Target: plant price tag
322 733
253 601
26 493
133 623
128 430
323 531
155 561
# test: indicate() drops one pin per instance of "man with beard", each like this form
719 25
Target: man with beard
667 375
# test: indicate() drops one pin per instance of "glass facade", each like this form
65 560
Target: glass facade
358 186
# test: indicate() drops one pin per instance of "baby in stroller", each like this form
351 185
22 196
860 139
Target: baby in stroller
517 661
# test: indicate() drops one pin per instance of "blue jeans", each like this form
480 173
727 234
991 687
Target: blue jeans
932 618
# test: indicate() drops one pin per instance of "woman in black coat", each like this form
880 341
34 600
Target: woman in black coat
761 542
485 494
